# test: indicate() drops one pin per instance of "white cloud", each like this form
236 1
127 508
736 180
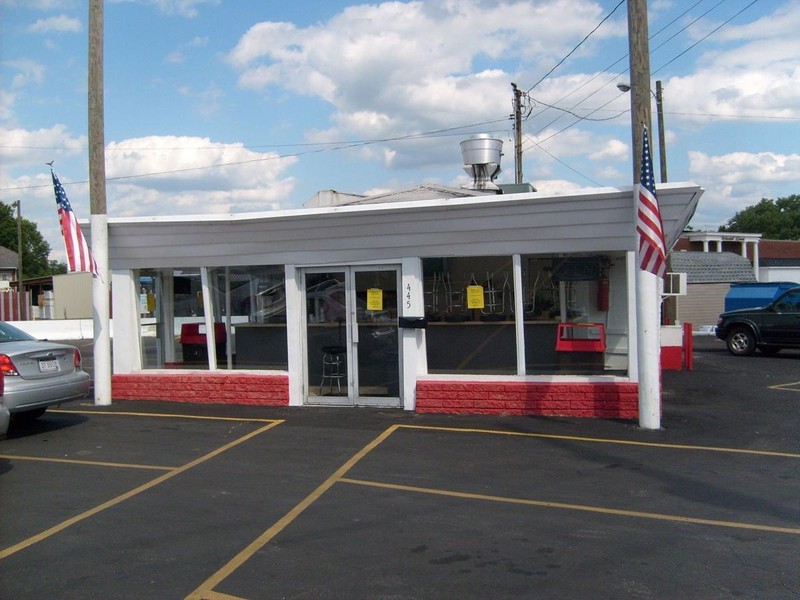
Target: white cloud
40 4
398 68
178 56
60 24
185 8
784 22
194 175
26 71
744 167
22 147
614 149
737 180
749 70
206 102
557 187
7 100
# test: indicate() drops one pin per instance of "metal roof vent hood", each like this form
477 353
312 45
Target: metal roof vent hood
481 156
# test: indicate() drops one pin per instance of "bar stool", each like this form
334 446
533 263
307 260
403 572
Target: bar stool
333 367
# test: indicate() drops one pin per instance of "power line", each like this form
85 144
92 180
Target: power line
585 118
705 37
554 157
571 52
607 69
448 131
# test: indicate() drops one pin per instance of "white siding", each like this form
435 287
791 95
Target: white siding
72 296
702 304
593 221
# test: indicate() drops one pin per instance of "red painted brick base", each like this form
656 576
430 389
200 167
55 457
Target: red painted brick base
603 400
226 388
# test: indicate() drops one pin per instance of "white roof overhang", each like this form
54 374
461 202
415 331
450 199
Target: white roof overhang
593 220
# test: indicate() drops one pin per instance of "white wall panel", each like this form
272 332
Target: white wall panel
593 221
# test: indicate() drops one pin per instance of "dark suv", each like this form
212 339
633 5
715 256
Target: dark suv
768 328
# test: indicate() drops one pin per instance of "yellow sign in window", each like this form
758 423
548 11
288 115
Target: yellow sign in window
474 296
374 299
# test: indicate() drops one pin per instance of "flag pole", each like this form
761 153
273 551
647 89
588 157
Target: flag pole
648 329
97 196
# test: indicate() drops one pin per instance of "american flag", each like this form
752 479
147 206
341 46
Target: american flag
79 258
652 248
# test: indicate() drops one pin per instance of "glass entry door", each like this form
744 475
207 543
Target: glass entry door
352 344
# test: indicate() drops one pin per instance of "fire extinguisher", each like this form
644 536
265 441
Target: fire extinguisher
602 292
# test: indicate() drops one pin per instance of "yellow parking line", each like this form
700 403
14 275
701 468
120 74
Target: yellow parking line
130 494
205 591
163 415
93 463
212 595
578 507
607 441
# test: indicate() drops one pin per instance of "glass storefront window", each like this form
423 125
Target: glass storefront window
172 320
248 305
251 303
469 304
574 290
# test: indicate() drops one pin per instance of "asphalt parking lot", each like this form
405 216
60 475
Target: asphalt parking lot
160 500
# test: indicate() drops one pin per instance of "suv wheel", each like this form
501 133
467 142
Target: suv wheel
741 341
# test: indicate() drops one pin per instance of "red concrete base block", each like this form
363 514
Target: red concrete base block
671 358
211 388
602 400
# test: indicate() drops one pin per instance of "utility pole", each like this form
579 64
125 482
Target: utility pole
97 198
647 334
517 133
20 288
639 50
662 150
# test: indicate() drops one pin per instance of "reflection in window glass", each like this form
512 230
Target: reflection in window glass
171 313
573 290
469 304
251 301
248 305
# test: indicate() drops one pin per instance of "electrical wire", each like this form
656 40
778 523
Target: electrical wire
571 52
607 69
705 37
321 147
585 117
343 146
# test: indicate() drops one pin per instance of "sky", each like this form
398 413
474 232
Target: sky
226 106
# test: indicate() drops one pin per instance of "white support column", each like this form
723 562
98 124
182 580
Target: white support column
101 288
756 267
296 334
519 311
649 349
414 358
209 320
633 326
127 338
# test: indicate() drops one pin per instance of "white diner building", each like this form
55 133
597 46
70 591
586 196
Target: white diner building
440 300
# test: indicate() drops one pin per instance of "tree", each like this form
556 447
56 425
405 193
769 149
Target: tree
57 268
773 219
35 249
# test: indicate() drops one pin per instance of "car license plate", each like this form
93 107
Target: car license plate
46 366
